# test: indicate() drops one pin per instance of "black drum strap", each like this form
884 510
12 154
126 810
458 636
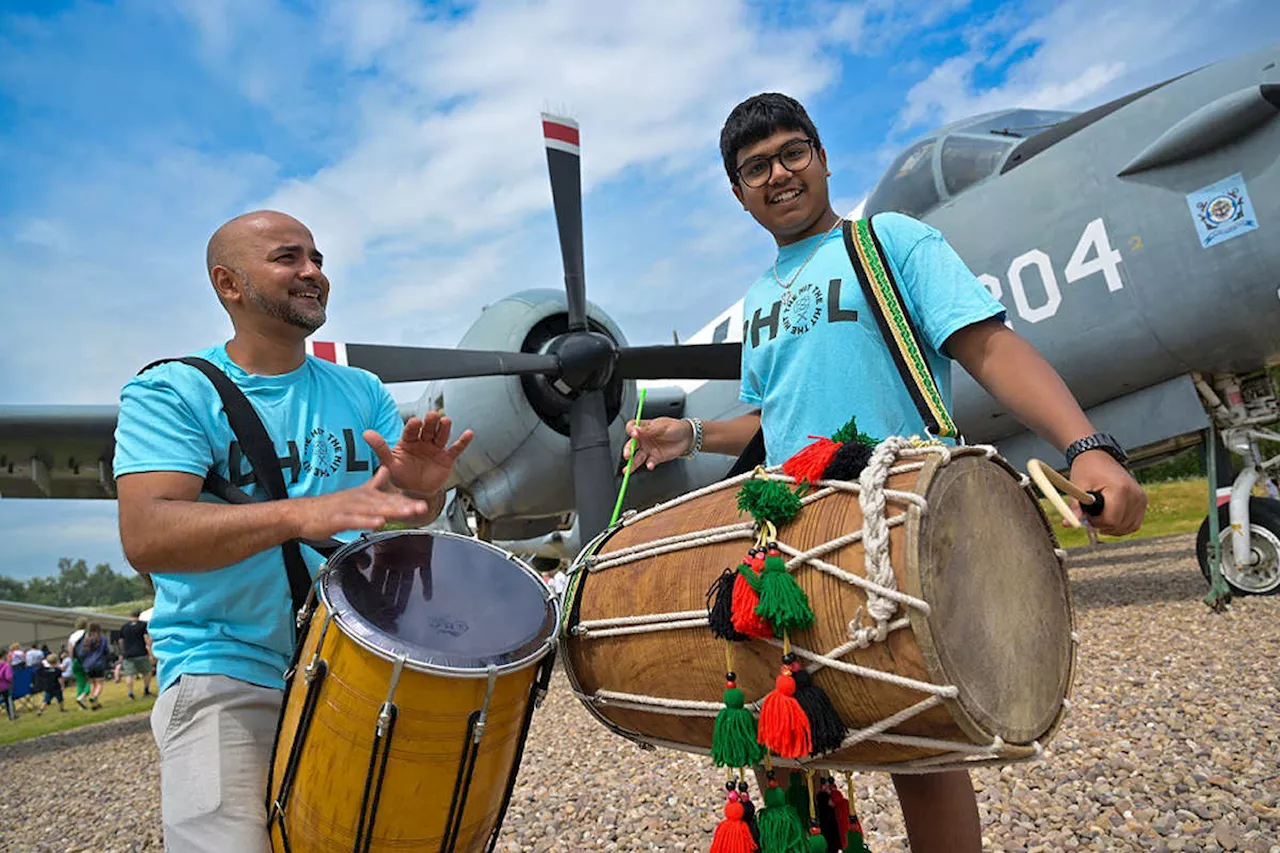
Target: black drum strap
258 448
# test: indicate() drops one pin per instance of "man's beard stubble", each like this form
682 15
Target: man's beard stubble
284 310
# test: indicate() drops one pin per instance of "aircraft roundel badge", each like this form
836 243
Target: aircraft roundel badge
1222 211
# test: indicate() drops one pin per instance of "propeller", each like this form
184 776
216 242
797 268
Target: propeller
582 362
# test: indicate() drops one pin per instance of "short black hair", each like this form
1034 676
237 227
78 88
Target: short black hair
758 118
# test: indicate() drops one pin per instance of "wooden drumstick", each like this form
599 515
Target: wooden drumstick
1050 481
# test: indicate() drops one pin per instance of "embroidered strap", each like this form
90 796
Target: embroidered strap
885 300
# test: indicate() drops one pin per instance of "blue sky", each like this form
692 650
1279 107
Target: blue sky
406 135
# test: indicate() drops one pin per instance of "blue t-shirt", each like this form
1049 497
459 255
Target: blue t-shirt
235 621
813 355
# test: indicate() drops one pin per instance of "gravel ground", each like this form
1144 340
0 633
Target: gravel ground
1173 743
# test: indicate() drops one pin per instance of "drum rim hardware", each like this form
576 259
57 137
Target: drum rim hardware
357 631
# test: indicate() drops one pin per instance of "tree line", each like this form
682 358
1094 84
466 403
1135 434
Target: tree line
76 585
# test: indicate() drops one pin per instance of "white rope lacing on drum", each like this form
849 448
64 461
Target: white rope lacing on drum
880 585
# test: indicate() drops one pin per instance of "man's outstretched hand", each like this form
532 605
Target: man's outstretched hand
366 507
422 460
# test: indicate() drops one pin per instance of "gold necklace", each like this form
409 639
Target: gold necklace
796 274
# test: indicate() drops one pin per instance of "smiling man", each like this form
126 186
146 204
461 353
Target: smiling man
813 356
222 630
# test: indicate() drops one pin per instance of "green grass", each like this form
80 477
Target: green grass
125 608
1177 506
115 703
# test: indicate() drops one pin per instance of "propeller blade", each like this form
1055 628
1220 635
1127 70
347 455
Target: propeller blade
564 163
689 361
593 463
418 364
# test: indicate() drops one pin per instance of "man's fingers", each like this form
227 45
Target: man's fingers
378 445
443 428
461 444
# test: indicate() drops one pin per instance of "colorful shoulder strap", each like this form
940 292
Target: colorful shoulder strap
885 299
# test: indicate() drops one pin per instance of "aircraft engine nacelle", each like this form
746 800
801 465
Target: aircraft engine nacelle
519 465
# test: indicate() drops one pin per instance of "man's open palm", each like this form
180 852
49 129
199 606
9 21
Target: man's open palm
422 459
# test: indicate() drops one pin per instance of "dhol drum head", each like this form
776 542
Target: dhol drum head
447 603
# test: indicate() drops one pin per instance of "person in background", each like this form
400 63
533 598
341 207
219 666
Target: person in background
65 666
93 656
6 687
77 667
34 655
49 679
17 657
135 653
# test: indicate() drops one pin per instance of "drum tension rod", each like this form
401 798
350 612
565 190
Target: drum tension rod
378 756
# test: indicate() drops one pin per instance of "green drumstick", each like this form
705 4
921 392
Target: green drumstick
626 473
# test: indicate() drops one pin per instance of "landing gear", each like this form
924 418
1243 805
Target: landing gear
1260 574
1246 553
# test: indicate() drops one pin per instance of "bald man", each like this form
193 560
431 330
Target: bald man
222 631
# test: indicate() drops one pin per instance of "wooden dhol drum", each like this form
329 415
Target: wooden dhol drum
943 630
407 710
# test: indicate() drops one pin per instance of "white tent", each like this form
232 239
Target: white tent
25 623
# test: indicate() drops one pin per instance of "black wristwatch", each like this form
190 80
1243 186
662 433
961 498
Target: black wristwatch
1097 441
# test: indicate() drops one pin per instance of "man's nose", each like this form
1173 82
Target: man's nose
778 173
310 270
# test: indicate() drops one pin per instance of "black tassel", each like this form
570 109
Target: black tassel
749 812
824 723
827 820
720 607
849 461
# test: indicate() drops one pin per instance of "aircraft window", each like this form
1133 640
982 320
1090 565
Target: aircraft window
721 332
968 159
908 185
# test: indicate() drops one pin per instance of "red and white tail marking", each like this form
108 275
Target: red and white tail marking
328 350
561 133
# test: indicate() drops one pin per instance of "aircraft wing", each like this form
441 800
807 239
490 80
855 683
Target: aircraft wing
57 451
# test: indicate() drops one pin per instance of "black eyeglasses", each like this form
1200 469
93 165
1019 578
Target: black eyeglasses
795 156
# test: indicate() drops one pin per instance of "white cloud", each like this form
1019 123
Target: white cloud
1081 54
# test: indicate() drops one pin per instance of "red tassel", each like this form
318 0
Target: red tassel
733 835
841 807
809 462
745 619
783 726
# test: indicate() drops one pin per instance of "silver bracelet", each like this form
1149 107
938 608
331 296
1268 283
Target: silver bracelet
696 447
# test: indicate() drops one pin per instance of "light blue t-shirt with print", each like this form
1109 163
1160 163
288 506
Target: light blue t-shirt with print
812 353
236 621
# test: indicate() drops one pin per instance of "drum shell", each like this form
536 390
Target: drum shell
689 664
430 734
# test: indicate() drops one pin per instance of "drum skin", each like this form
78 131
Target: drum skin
982 555
322 810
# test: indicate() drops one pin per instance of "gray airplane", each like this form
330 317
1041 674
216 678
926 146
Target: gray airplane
1127 242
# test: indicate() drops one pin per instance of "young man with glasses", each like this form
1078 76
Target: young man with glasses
806 340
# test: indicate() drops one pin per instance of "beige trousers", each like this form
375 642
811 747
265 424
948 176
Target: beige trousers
215 736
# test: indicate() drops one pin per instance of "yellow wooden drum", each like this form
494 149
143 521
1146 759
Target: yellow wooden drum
406 714
942 631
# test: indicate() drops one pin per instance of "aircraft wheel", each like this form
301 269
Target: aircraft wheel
1261 578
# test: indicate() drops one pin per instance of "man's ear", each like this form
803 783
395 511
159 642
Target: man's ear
737 193
225 284
822 158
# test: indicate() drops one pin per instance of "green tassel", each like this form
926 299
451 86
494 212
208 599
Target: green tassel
798 795
849 432
768 500
780 828
733 740
817 844
782 601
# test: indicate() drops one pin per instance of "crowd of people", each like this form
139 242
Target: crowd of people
88 658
